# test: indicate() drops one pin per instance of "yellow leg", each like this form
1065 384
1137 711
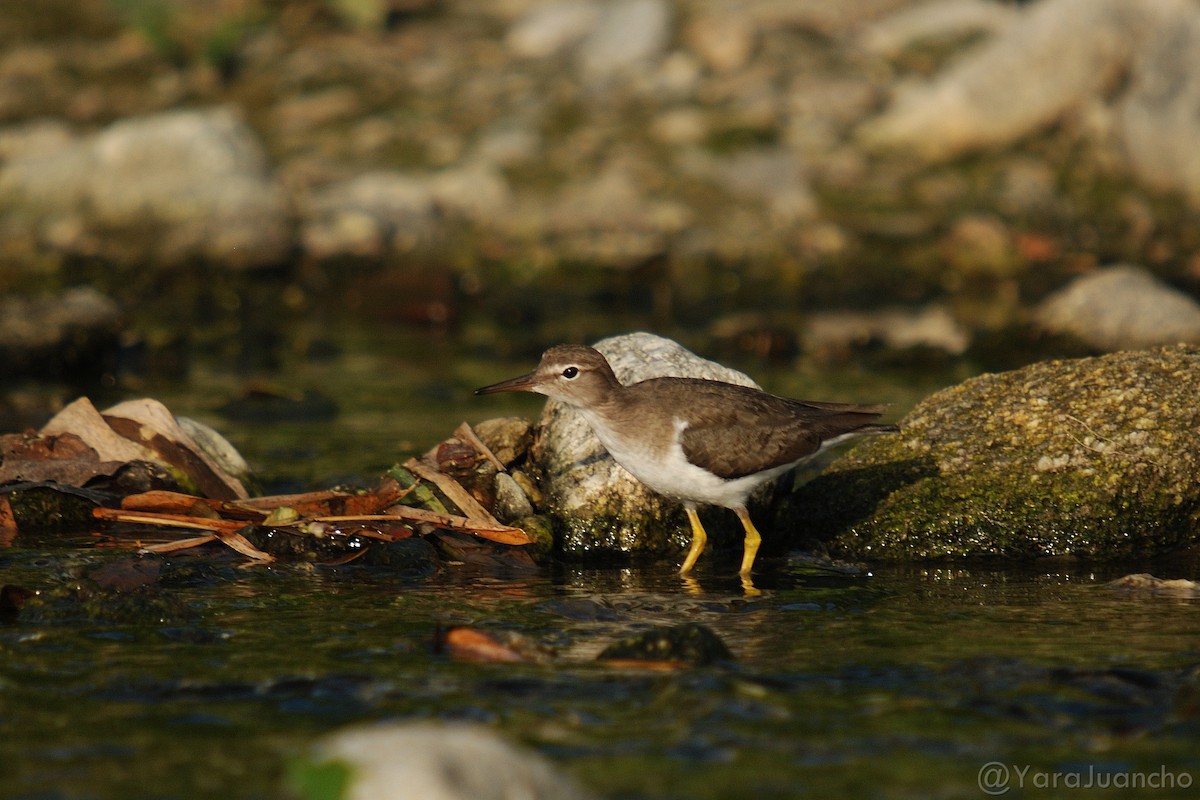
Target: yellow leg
753 540
699 539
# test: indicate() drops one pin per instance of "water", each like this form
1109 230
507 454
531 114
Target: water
896 682
905 682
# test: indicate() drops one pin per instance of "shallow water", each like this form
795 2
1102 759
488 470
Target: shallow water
904 682
893 682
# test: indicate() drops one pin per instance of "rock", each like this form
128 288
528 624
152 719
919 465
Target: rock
165 188
629 34
680 126
773 177
1061 52
690 643
598 507
1121 307
511 501
1147 584
508 144
435 761
507 437
371 215
1093 457
935 22
981 245
1157 117
833 333
609 220
549 29
411 557
723 41
71 334
212 444
474 192
385 213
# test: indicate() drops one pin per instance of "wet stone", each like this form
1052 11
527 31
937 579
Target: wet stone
691 643
413 556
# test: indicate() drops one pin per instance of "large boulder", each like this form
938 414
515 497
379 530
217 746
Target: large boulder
1066 55
1093 457
166 188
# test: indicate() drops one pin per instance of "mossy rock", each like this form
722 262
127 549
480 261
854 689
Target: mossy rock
1093 457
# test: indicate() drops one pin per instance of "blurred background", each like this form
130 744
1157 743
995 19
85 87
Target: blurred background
319 224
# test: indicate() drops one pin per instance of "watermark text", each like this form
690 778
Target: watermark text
997 778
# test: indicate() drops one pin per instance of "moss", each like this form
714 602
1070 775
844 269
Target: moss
1092 457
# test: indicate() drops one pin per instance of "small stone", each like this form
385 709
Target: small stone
511 501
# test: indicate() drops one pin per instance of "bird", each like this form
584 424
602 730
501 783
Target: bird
694 440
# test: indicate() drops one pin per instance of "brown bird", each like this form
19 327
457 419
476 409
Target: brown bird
691 439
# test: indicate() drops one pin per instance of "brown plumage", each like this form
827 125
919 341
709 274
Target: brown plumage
696 440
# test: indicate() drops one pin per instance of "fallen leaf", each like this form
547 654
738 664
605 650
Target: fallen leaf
149 423
485 529
80 418
454 491
468 644
159 519
179 544
467 434
62 458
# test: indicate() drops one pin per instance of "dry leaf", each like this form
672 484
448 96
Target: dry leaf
149 423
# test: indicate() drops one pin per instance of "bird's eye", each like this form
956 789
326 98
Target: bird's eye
570 372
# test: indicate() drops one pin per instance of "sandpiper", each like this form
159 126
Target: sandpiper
695 440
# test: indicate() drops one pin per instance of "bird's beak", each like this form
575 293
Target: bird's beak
521 384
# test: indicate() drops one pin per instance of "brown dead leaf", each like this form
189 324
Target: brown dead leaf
163 520
454 492
242 545
149 423
63 458
324 503
173 503
81 419
468 435
485 529
468 644
179 544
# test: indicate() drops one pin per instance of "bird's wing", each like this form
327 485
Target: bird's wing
742 432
